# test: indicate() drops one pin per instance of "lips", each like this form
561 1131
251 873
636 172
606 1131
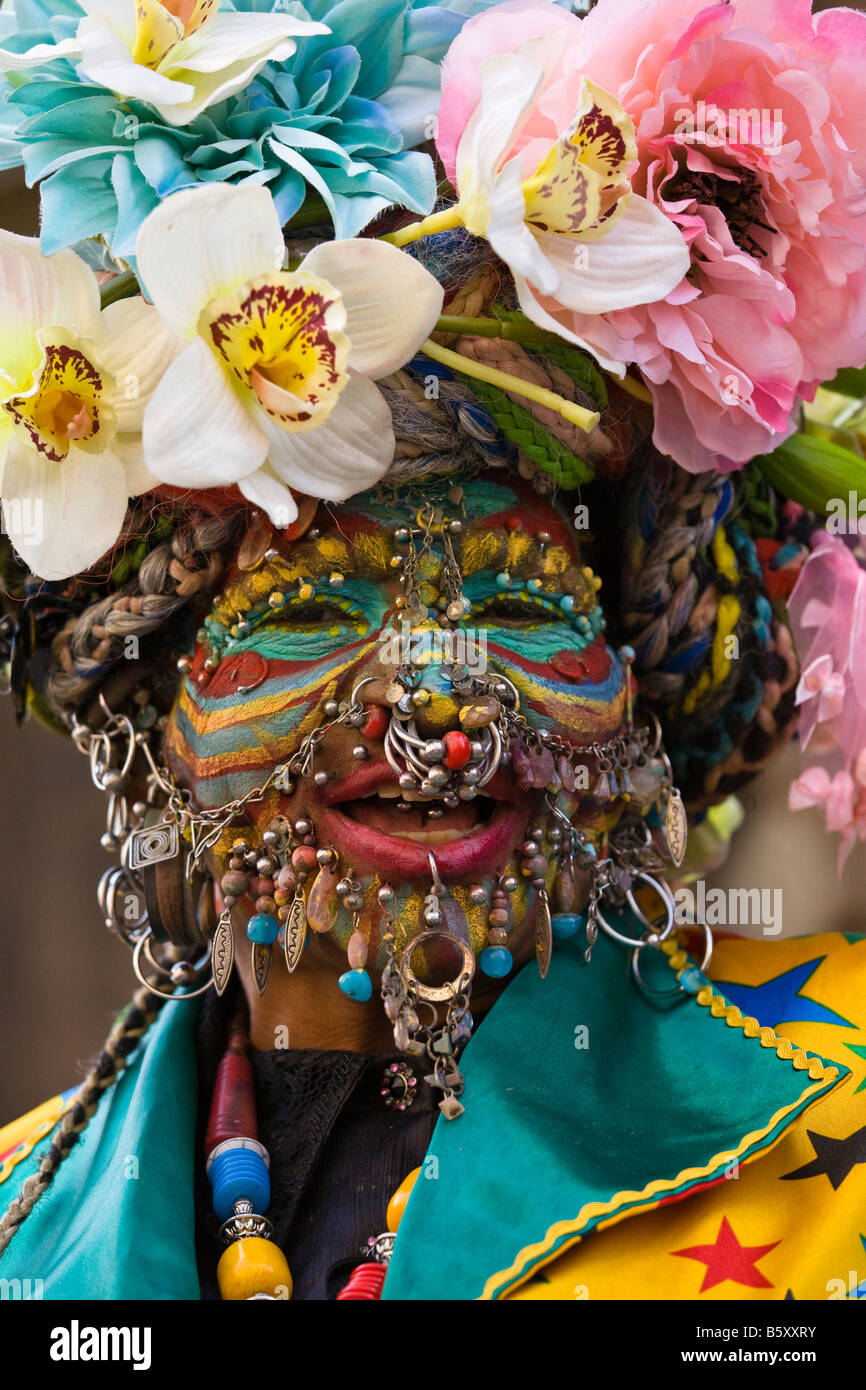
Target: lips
358 816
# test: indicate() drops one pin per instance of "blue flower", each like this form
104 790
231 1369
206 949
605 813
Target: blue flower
330 131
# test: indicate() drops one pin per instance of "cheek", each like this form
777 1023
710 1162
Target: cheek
563 682
222 735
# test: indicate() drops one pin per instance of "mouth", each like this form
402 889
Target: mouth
374 825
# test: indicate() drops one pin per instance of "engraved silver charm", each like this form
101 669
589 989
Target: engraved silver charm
261 957
222 953
543 935
295 932
676 828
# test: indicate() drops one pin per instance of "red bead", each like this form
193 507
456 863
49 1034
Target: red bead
513 523
365 1284
233 1108
457 749
304 857
376 723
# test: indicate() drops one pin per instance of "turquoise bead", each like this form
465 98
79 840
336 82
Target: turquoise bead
503 580
566 603
533 585
357 985
263 928
565 924
496 961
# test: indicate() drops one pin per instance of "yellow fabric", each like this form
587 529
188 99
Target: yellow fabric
22 1134
769 1229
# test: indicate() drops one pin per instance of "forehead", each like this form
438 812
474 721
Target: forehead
500 525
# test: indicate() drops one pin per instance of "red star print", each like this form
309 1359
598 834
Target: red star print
728 1259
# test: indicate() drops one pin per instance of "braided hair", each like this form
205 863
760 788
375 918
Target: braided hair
129 1028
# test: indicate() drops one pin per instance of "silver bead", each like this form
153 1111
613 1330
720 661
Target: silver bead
402 533
406 704
433 751
407 781
326 856
265 866
438 777
435 813
477 894
330 708
139 808
467 793
182 973
360 752
353 901
107 841
320 778
476 753
508 884
455 610
183 664
455 527
471 775
344 886
113 781
452 800
303 827
271 837
432 916
385 893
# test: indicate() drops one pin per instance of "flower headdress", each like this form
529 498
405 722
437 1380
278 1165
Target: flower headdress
673 196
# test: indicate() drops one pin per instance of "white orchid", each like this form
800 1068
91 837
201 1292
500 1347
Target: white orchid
275 388
181 56
74 382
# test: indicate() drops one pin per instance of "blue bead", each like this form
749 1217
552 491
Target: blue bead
566 603
239 1173
264 928
496 961
533 585
503 580
565 924
357 984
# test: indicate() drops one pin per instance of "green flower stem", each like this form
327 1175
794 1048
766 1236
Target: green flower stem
495 328
437 222
121 287
569 410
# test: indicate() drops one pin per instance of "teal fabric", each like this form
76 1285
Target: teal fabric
118 1220
550 1127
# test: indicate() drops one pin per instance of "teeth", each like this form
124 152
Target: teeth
436 837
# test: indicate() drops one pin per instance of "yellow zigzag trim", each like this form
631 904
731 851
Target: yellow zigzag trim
26 1148
527 1260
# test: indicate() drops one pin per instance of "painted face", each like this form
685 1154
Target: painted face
305 624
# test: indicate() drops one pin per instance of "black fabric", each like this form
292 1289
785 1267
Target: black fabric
337 1153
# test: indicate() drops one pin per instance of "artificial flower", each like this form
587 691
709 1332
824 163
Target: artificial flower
827 610
770 197
330 130
74 383
551 191
275 388
181 56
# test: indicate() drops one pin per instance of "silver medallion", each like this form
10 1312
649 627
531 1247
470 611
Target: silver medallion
543 935
153 844
222 953
296 933
676 828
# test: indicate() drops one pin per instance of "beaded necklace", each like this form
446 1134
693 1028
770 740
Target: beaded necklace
252 1265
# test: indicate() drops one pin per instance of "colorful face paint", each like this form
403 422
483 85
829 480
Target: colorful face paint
303 628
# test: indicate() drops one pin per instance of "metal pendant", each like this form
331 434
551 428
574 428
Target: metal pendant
152 844
222 953
295 933
676 828
543 935
261 965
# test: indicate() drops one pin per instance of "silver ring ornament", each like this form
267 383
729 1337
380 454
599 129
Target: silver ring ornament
404 751
143 945
678 989
652 936
437 994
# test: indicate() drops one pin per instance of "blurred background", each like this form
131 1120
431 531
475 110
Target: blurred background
63 978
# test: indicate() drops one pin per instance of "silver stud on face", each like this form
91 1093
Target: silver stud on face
320 779
360 752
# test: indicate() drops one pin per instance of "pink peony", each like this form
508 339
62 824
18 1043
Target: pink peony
751 137
827 609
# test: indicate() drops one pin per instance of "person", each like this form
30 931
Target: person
405 667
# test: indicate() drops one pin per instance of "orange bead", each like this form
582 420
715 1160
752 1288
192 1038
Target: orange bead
397 1204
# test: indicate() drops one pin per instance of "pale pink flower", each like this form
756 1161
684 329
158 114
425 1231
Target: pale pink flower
766 181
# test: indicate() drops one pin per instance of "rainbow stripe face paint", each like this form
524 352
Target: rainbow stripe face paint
311 619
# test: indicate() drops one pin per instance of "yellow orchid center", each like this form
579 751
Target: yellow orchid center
282 337
159 27
583 184
65 405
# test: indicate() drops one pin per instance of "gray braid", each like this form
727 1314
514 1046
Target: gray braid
89 645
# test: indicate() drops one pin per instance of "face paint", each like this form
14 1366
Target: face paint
305 627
